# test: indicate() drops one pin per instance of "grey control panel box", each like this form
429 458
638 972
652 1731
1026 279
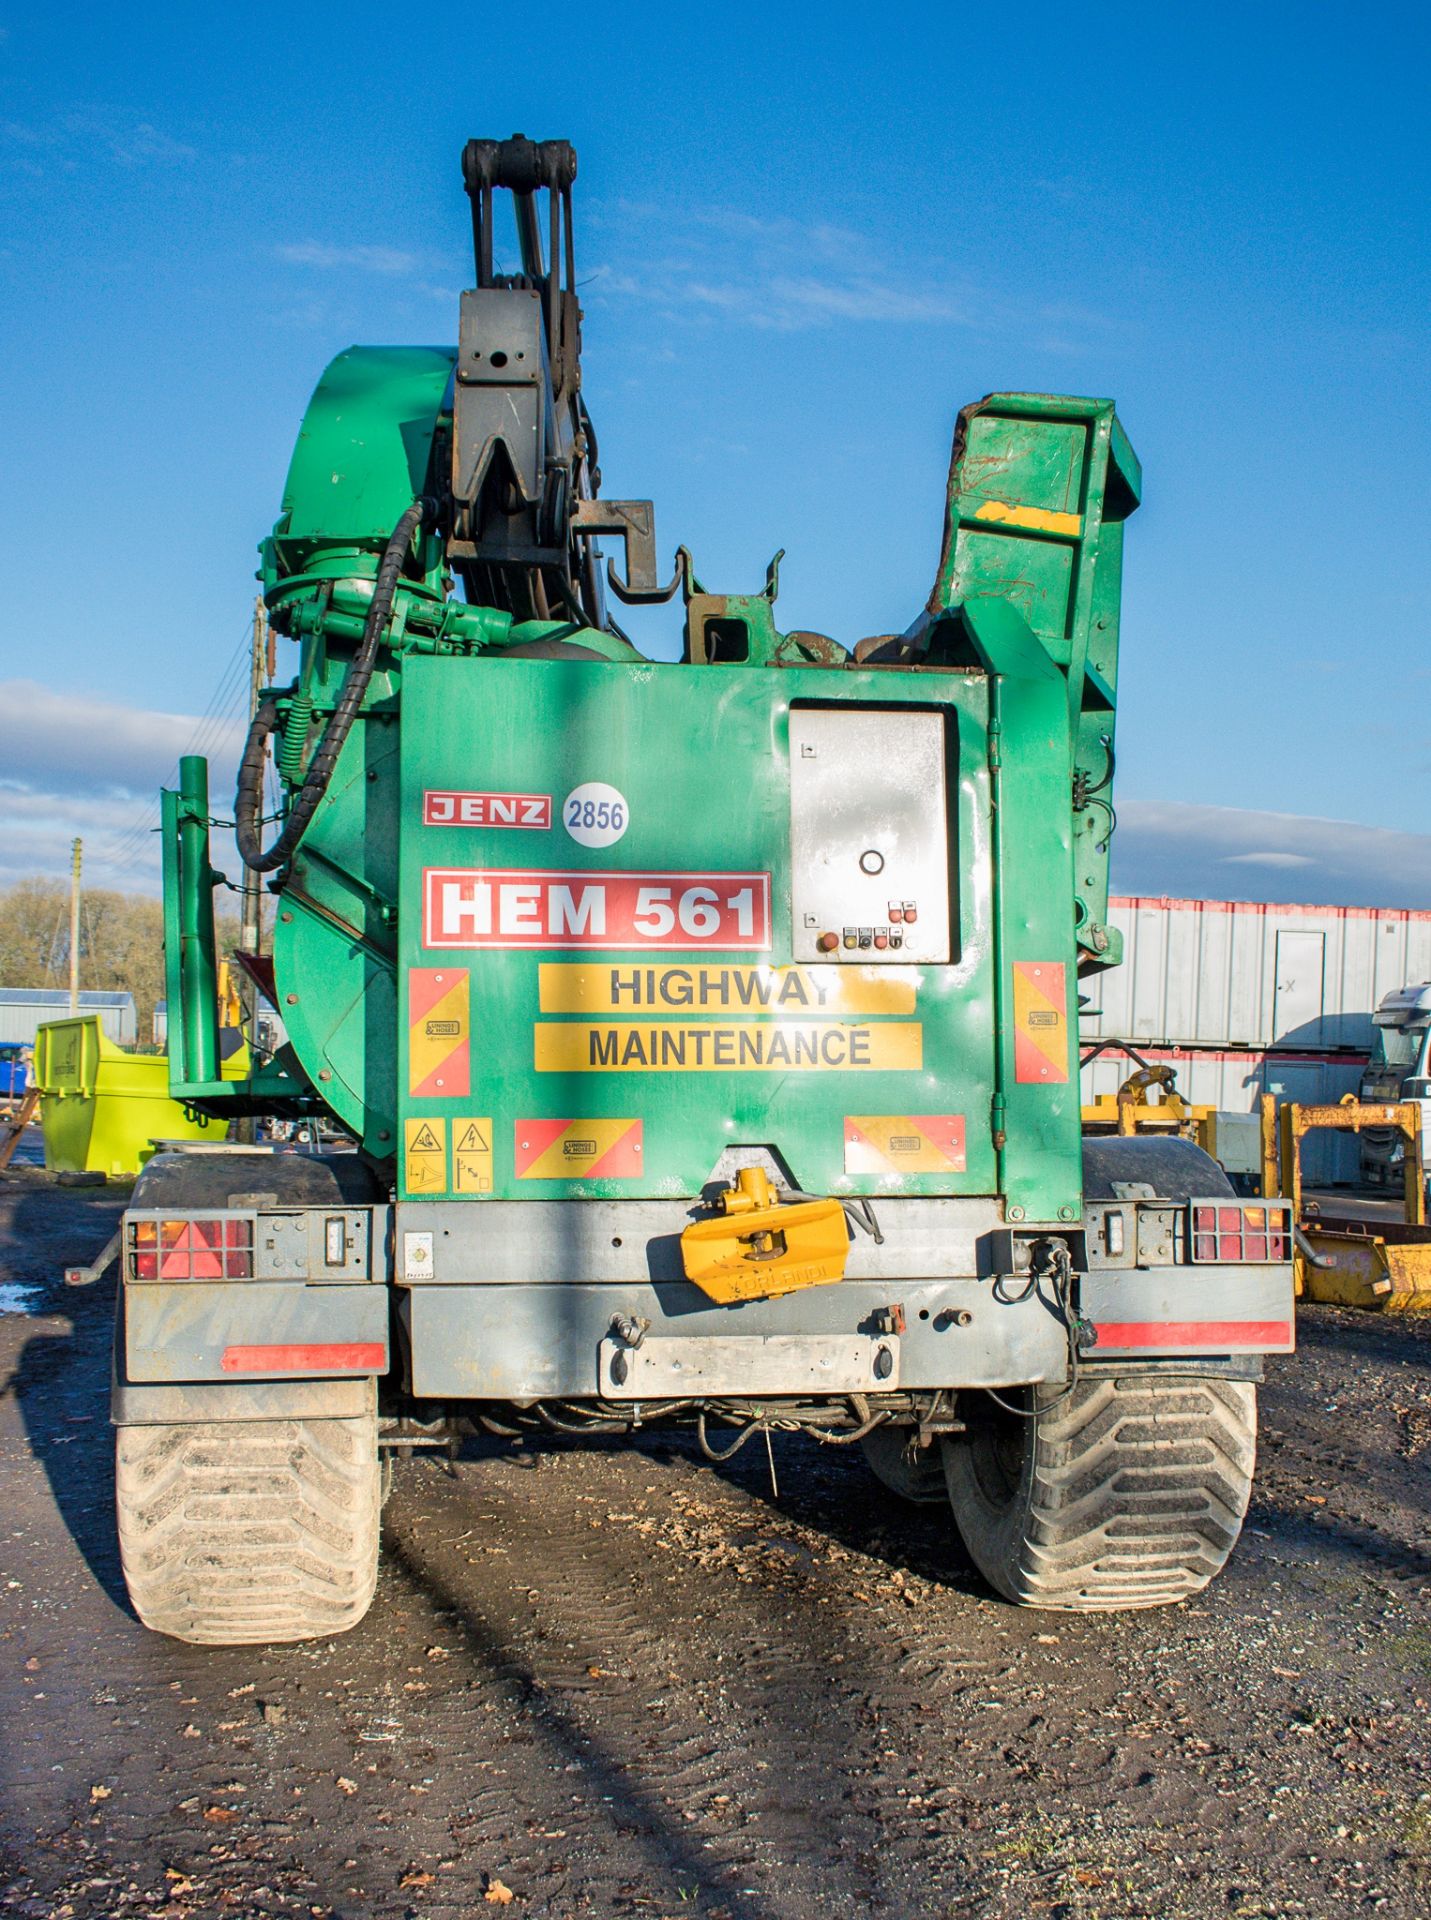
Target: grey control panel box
869 837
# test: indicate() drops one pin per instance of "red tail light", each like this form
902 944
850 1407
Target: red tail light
1225 1233
216 1249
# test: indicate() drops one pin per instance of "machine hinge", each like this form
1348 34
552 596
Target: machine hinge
996 1122
996 759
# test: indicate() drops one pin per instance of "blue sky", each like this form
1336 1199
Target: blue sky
806 236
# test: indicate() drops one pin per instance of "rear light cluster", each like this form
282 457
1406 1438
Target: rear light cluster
218 1249
1229 1233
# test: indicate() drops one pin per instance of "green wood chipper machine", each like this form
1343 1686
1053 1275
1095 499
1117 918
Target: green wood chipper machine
701 1034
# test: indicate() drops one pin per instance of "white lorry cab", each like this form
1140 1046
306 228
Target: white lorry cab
1397 1070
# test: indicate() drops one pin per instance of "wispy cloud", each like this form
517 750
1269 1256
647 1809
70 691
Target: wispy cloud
74 764
788 303
1231 853
716 264
67 139
391 261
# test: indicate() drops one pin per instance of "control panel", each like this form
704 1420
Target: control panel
869 835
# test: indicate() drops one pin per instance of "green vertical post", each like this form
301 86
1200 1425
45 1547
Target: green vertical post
198 960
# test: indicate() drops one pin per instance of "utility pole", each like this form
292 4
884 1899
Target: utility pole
77 852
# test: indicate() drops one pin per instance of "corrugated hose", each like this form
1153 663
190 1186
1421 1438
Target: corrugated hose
248 802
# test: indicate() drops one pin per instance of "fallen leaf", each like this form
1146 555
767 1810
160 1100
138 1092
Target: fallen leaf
191 1732
1315 1499
439 1653
1086 1878
236 1693
220 1813
100 1793
345 1785
497 1895
416 1879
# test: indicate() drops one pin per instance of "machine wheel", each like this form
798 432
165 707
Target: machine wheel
913 1472
244 1531
1128 1493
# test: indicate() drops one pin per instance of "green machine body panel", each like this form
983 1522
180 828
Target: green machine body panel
646 1037
607 1042
364 451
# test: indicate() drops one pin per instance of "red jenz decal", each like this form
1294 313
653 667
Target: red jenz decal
1218 1335
467 907
359 1356
486 809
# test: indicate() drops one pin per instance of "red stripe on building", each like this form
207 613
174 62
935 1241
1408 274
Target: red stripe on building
1220 1335
1266 907
358 1356
1192 1054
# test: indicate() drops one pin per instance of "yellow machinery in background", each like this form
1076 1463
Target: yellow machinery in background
1346 1260
1131 1110
1149 1102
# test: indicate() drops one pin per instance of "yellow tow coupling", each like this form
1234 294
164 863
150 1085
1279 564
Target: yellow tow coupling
757 1247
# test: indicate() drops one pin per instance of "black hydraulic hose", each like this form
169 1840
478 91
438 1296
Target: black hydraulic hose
248 803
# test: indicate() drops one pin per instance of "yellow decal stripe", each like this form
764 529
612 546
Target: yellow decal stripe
794 1046
1032 519
717 993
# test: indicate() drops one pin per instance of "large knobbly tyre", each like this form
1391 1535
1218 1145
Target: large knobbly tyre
1128 1493
245 1531
913 1472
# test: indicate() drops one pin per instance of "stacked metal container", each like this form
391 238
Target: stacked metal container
1246 998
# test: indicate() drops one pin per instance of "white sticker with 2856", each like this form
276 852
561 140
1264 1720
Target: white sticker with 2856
594 814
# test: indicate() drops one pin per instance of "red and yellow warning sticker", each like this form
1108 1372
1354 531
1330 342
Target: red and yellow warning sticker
424 1158
439 1048
1040 1022
904 1143
578 1149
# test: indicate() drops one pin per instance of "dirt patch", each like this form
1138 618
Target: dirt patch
615 1682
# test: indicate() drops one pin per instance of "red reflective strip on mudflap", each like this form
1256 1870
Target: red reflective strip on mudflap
354 1356
1221 1335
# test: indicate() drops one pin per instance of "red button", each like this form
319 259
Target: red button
828 942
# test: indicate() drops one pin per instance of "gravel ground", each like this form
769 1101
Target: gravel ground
619 1682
